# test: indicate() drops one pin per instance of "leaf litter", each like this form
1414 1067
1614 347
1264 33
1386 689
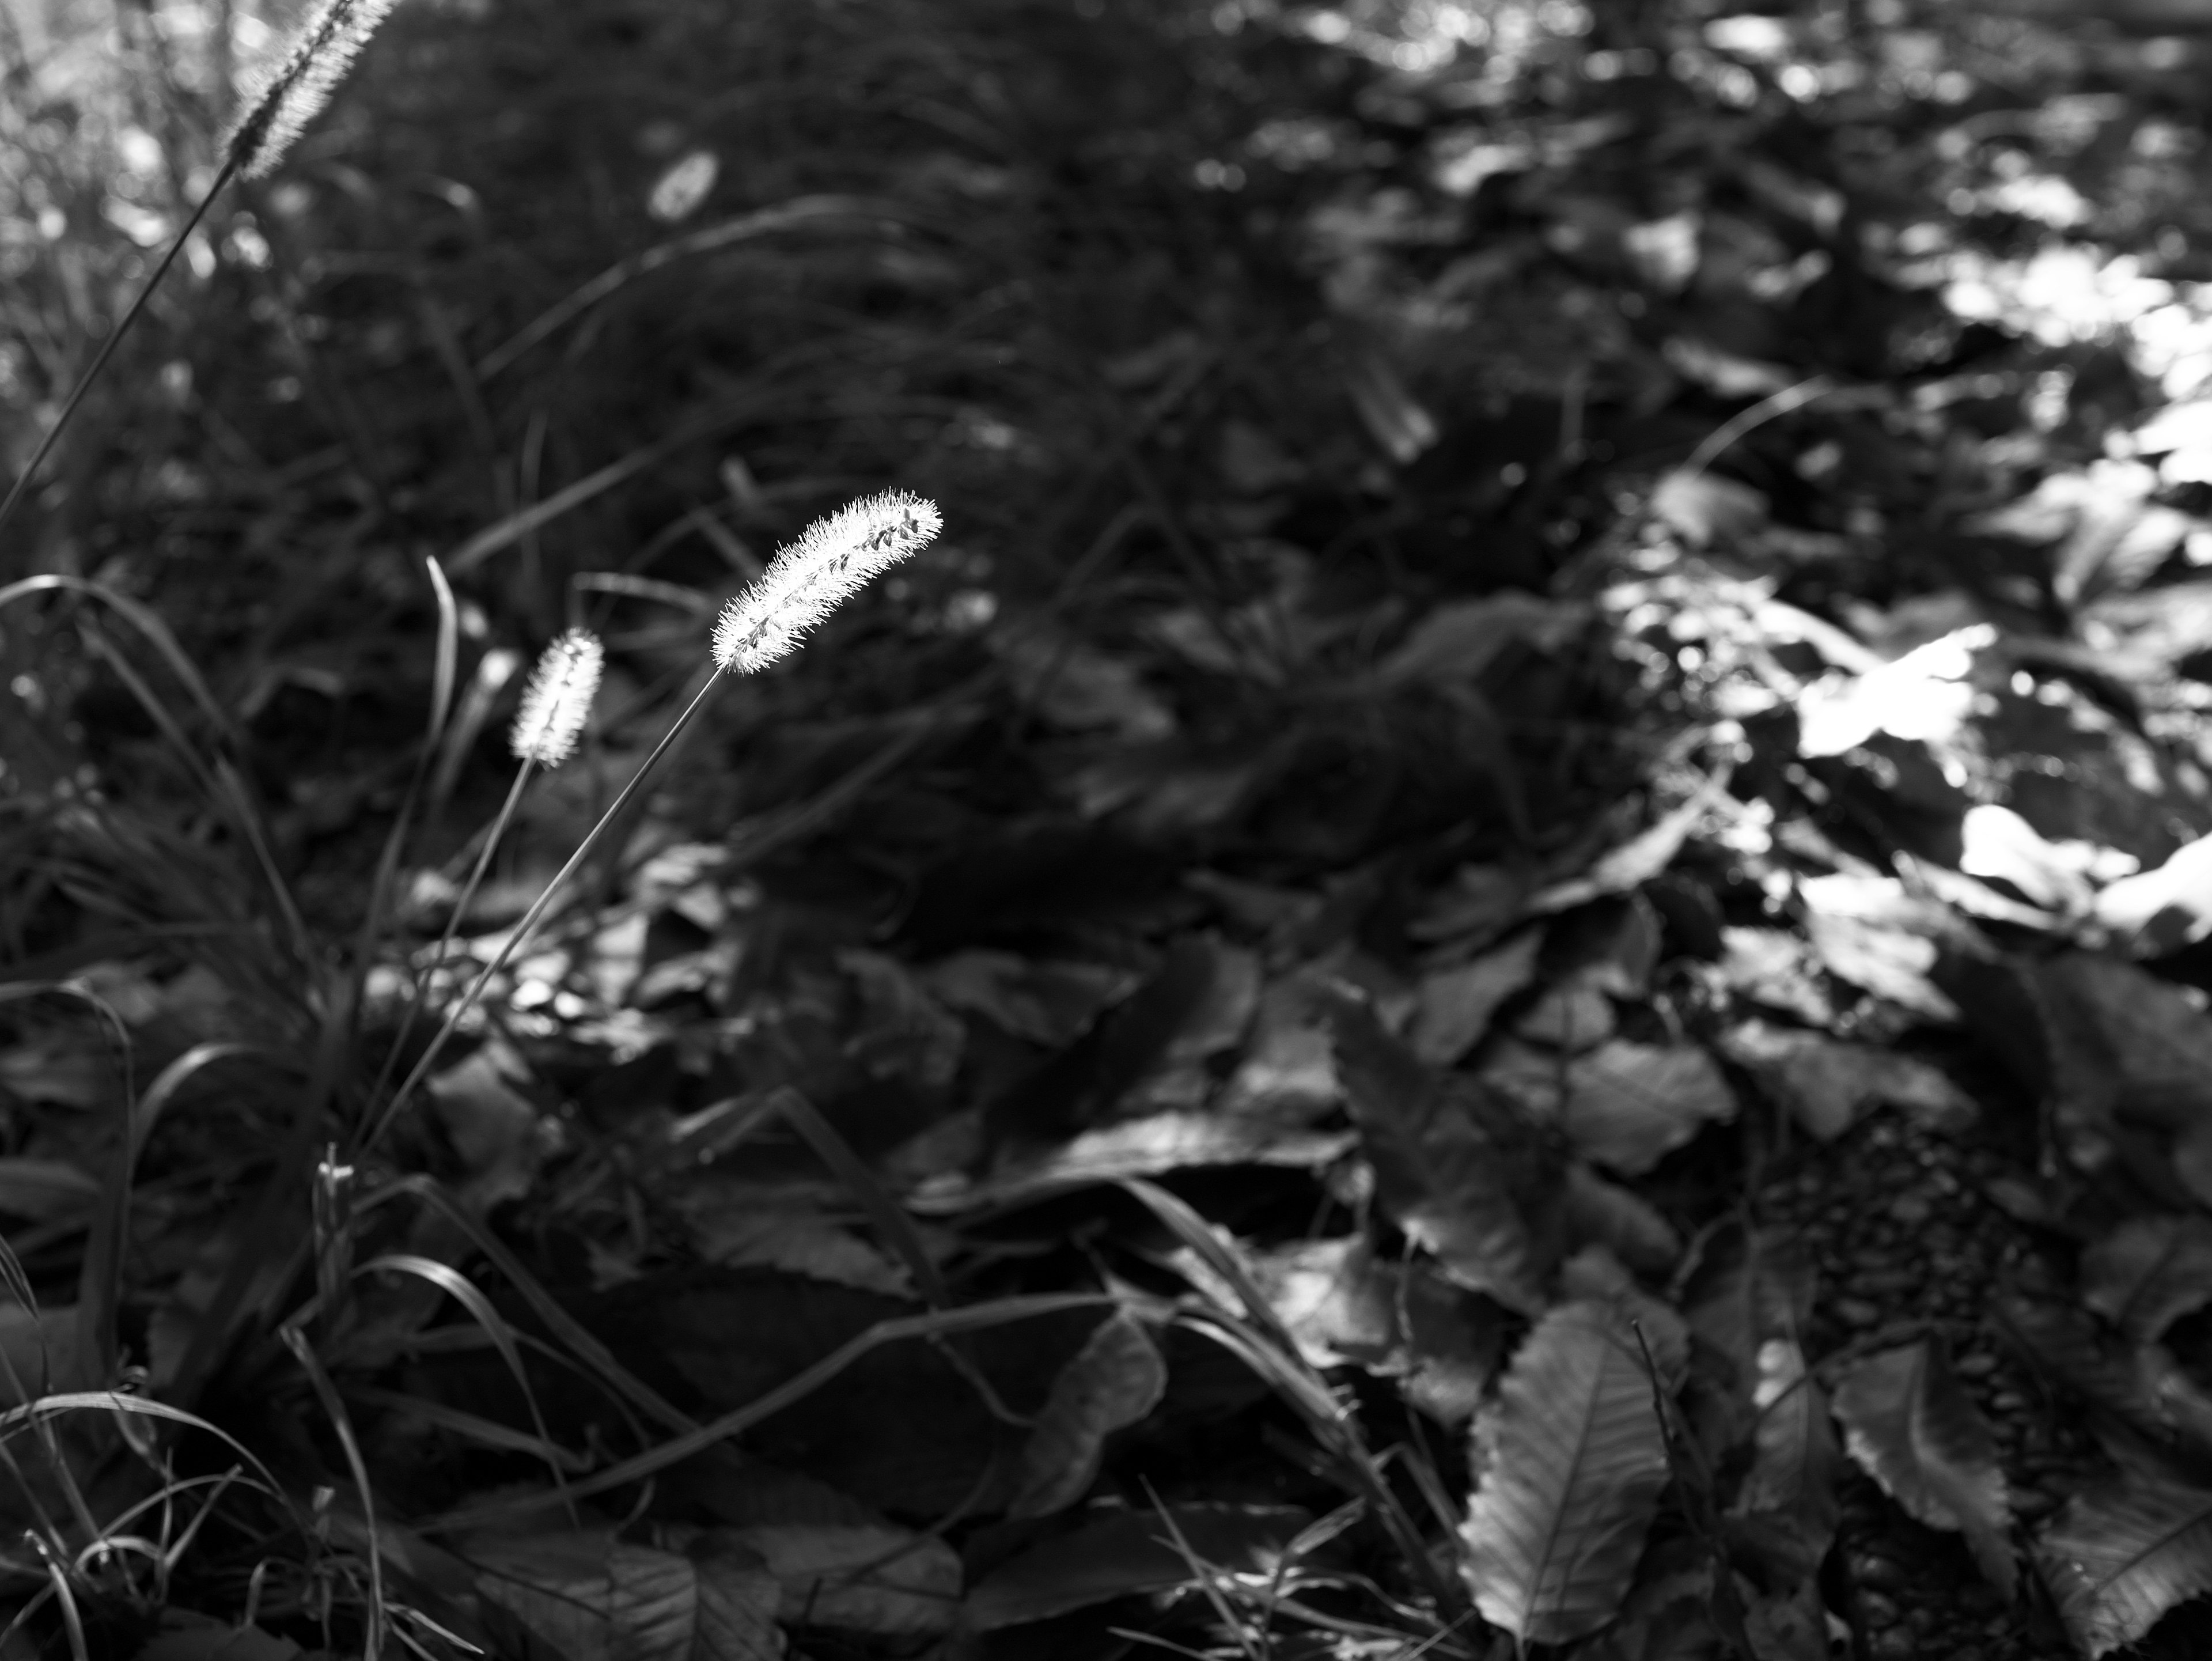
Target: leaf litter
1507 941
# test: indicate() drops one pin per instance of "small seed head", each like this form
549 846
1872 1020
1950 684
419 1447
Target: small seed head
293 91
558 699
833 559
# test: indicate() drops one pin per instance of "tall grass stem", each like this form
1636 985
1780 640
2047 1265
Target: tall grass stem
84 383
532 918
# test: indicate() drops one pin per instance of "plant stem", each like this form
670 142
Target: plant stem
532 918
453 925
22 484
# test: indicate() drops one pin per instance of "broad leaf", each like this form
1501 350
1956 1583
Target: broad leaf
2119 1557
1827 1084
593 1598
1116 1379
1749 1298
1454 1167
875 1578
1912 1428
1573 1461
1630 1105
1454 1006
2148 1272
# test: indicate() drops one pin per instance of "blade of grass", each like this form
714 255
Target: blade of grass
342 1426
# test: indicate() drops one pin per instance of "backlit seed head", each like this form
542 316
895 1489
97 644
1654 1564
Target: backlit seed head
832 558
558 699
293 91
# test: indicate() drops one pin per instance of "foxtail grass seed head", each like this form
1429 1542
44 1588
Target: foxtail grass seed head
558 698
832 558
293 91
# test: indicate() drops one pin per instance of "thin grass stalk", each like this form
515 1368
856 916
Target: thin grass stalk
460 910
395 839
532 918
84 382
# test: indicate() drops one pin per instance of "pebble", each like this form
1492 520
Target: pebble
1975 1365
1911 1210
1857 1311
1872 1570
1877 1610
1894 1645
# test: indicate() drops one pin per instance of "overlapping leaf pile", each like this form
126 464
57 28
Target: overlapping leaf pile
1621 601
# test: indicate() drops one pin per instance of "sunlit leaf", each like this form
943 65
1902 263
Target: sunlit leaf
1910 1426
2118 1557
2159 910
1572 1464
1113 1381
1926 694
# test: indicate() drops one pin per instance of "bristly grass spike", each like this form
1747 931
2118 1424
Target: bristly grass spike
286 98
832 558
293 93
558 699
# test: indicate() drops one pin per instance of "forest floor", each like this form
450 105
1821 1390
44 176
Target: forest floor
1505 947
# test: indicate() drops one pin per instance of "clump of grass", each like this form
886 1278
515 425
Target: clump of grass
285 99
832 559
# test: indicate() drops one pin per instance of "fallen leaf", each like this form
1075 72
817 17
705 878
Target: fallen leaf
871 1578
1461 638
1924 694
1999 844
1870 932
1828 1084
1455 1169
2163 910
1628 1105
593 1597
1453 1007
2121 1555
1112 1382
1571 1462
1909 1425
2148 1272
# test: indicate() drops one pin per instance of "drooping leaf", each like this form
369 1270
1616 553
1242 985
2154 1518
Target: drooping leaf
1571 1462
2148 1272
1748 1300
1113 1381
2139 1389
1910 1426
2120 1556
1827 1084
1123 1552
1456 1168
2159 910
593 1598
1605 1213
1454 1006
1870 931
874 1578
1629 1105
